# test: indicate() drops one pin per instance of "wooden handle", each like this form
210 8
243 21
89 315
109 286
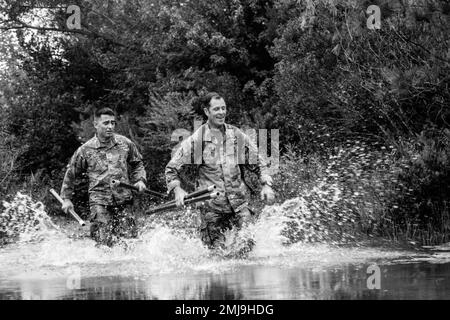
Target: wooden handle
71 211
117 183
172 204
200 192
196 194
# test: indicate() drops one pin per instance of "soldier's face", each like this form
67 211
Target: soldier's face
105 126
216 112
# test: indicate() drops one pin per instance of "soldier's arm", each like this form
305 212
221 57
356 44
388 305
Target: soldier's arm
262 167
137 169
181 157
77 165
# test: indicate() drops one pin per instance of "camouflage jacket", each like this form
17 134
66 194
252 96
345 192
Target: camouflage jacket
218 157
102 163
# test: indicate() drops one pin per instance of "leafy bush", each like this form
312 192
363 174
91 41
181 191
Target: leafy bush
399 191
422 203
337 91
336 75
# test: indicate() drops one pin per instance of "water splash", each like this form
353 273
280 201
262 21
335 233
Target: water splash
168 244
24 220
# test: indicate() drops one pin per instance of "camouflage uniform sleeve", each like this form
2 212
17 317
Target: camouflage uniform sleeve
181 157
137 169
263 166
75 168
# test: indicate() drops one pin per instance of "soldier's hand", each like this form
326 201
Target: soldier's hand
267 194
67 205
141 186
179 196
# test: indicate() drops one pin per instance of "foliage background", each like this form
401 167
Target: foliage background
368 109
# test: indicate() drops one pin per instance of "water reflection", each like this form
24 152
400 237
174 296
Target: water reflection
398 281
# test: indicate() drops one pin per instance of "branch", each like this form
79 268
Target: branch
420 46
104 16
25 26
346 24
93 34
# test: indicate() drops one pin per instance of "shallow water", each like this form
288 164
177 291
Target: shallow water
166 265
168 261
398 281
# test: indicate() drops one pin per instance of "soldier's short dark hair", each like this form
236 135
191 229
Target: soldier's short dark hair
98 113
206 99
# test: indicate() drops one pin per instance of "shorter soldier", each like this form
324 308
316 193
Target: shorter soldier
216 148
106 157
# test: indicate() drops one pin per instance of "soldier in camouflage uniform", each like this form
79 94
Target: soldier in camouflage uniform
106 157
218 149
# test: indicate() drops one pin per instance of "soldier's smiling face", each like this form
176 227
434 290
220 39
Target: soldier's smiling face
216 112
105 125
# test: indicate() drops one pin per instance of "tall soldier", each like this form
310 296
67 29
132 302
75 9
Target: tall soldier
106 157
217 149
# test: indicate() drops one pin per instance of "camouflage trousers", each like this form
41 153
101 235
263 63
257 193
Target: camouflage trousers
111 223
215 222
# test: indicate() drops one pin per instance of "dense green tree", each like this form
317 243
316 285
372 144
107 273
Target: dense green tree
126 54
311 68
336 76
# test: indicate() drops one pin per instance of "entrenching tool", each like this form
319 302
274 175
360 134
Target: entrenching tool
71 211
196 196
117 183
200 192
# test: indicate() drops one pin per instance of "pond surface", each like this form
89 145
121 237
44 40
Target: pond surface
399 281
165 265
58 260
